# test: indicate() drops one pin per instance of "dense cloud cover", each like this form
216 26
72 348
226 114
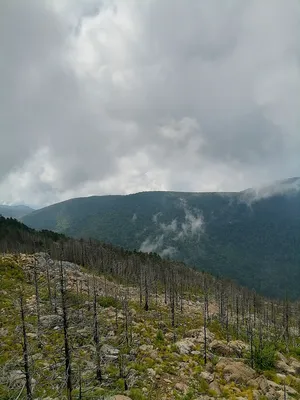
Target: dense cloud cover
119 96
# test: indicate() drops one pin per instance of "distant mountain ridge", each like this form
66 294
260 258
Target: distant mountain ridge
251 236
17 211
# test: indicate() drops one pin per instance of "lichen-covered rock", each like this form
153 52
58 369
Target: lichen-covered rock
198 335
146 347
239 347
185 346
234 348
120 397
51 321
207 376
221 348
109 352
215 387
181 387
295 365
260 383
236 371
282 366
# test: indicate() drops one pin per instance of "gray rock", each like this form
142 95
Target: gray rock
109 352
185 346
51 321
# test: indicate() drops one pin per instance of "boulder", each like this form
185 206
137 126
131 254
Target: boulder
51 321
181 387
146 347
238 347
151 372
236 371
283 367
272 394
109 352
198 335
221 348
185 346
291 391
295 364
256 395
207 376
215 387
281 357
234 348
3 332
260 383
17 378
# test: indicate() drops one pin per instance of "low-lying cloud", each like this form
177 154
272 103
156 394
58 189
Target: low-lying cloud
174 231
287 187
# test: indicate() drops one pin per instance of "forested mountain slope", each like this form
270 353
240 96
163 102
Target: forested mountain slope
251 236
90 321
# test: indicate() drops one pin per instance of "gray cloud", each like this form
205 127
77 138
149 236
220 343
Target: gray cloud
105 96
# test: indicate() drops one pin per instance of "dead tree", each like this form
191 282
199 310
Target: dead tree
126 322
146 307
205 314
68 369
122 370
37 302
49 286
25 352
96 336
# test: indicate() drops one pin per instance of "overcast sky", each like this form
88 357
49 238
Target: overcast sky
122 96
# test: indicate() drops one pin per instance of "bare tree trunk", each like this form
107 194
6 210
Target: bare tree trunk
227 319
37 302
237 317
141 286
251 344
96 337
80 383
116 311
122 372
77 300
205 322
49 285
126 311
25 352
68 370
55 297
146 307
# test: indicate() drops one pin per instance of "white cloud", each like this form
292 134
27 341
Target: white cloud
124 96
173 232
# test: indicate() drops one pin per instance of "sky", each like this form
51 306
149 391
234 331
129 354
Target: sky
122 96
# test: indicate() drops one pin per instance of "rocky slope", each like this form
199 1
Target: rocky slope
153 354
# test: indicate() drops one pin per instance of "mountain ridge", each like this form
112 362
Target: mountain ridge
15 211
254 240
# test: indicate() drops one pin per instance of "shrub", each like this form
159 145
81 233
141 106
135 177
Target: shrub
264 358
159 337
109 301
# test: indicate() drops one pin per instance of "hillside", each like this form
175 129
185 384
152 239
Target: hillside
15 211
251 236
130 326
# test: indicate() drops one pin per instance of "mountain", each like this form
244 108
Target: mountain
14 211
92 321
252 236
